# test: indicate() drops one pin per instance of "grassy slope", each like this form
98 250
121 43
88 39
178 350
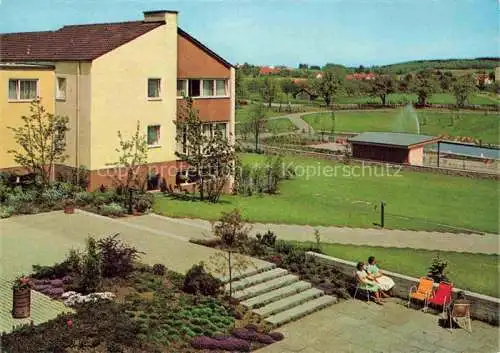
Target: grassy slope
479 125
350 201
475 272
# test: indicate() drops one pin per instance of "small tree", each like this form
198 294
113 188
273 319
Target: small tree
462 88
289 88
91 276
382 86
219 162
133 154
233 235
257 122
328 86
424 85
270 90
42 141
211 157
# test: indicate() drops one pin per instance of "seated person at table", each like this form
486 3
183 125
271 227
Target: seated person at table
386 283
366 283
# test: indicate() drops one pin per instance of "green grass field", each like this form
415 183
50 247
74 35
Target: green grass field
474 272
479 125
332 194
279 125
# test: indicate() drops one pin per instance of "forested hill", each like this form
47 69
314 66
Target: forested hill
447 64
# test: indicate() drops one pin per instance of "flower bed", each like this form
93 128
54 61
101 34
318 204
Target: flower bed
135 309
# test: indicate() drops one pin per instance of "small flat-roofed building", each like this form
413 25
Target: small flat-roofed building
391 147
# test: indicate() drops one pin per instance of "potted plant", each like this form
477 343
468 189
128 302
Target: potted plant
69 206
21 298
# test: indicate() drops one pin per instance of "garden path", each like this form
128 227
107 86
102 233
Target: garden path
475 243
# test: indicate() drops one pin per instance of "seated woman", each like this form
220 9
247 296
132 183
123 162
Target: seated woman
385 283
366 283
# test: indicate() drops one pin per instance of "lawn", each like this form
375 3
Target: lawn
474 272
479 125
333 194
279 125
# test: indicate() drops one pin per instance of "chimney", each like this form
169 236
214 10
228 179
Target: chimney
170 17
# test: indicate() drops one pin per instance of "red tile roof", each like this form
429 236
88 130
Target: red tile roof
79 42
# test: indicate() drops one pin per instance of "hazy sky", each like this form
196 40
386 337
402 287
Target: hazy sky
288 32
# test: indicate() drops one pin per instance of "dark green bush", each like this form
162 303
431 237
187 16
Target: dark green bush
198 281
117 258
159 269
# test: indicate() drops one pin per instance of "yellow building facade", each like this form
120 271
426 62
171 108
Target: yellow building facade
20 84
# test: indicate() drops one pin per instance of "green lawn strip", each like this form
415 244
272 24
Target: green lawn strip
479 125
473 272
279 125
415 200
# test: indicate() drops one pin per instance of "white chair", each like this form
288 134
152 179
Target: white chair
360 286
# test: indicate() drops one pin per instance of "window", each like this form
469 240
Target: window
208 88
207 130
61 88
222 127
194 88
181 88
23 89
154 135
220 88
154 85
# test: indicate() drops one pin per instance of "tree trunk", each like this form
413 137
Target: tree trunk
230 268
382 97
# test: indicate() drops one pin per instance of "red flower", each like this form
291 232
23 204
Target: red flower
69 323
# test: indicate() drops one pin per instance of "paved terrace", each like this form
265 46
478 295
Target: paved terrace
355 326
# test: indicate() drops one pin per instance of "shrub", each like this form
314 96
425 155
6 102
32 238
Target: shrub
263 338
163 185
197 280
267 239
113 209
117 258
159 269
6 211
143 202
84 198
436 270
90 279
283 247
58 270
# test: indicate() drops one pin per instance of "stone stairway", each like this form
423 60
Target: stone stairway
278 296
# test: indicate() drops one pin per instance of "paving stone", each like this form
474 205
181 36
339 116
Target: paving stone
276 294
265 287
288 302
300 310
257 278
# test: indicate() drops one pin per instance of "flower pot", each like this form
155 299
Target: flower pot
21 303
69 209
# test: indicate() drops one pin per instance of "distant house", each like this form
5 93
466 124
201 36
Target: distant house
483 79
306 93
361 76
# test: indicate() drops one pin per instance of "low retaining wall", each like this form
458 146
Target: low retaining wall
483 307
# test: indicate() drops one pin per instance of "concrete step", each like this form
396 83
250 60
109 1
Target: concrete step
277 294
266 266
258 278
300 310
288 302
265 287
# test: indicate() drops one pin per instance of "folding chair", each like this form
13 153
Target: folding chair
461 311
441 296
360 286
421 293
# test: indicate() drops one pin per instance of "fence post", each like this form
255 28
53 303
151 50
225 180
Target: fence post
382 205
